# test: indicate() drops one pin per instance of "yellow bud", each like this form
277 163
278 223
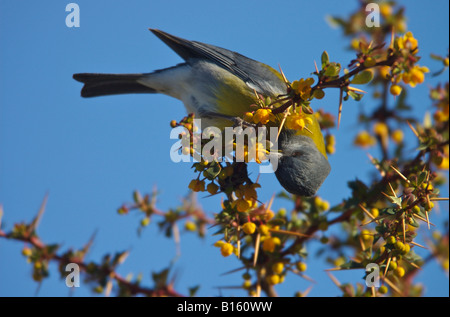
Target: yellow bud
190 226
391 240
397 136
301 266
381 129
273 279
417 76
446 62
26 251
248 116
264 230
370 62
383 289
395 90
145 222
400 272
249 228
375 212
247 284
393 265
385 9
226 249
366 235
173 123
278 267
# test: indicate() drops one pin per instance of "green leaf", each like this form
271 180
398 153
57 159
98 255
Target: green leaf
422 177
362 78
325 59
355 95
213 171
333 70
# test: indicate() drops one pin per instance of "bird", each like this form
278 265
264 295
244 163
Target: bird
218 86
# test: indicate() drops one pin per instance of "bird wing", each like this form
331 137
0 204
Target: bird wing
257 75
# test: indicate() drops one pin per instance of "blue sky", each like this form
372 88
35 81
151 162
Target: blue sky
90 154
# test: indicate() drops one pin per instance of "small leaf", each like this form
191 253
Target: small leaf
356 96
363 77
422 177
325 59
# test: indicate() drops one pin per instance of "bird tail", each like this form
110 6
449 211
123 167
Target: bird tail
111 84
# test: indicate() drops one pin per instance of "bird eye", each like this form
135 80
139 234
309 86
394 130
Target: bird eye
297 153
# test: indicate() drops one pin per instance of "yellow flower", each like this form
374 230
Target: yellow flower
268 215
298 121
407 42
249 228
269 244
364 139
302 87
226 249
243 205
263 116
385 71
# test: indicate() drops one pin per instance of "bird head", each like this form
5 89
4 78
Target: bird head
302 166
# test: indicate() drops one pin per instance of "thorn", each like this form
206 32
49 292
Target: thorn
366 211
392 190
1 215
400 174
335 281
356 89
413 129
306 292
38 218
238 243
340 107
298 234
419 245
315 65
404 230
392 285
257 243
391 44
387 266
282 74
438 198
